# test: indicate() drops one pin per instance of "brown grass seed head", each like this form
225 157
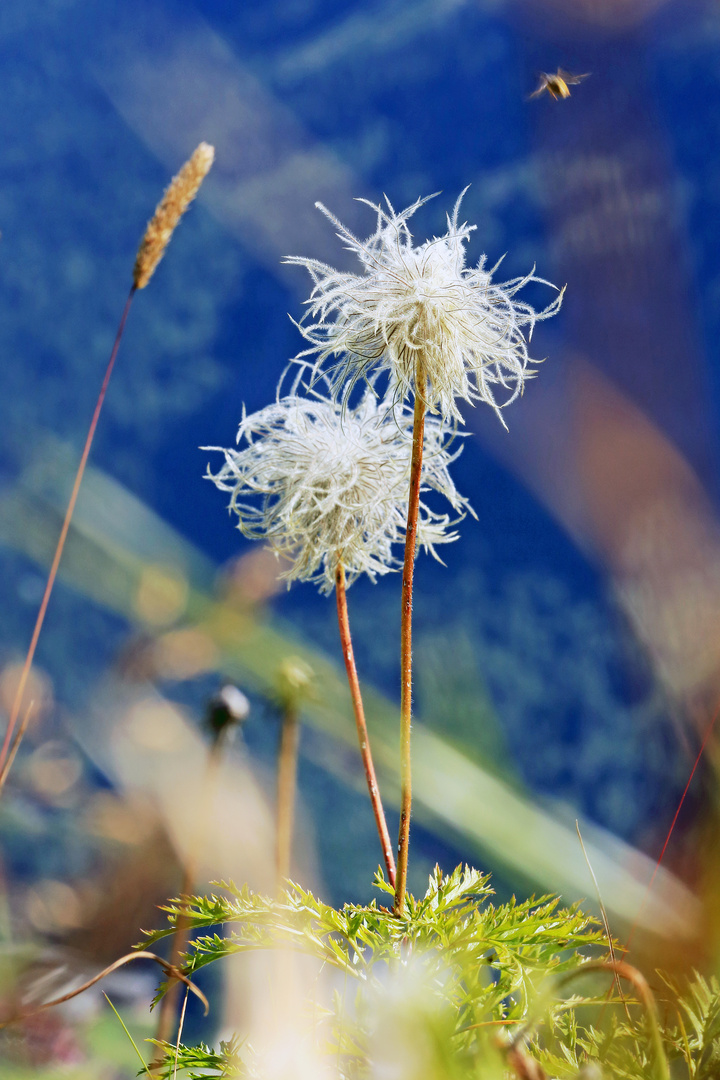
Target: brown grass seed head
181 192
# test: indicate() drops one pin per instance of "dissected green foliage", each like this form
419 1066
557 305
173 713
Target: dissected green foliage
493 952
620 1048
618 1043
479 963
695 1035
200 1061
456 987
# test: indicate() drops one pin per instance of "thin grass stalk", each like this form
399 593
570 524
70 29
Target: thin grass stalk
406 640
19 734
286 787
359 711
648 888
182 190
5 760
181 1025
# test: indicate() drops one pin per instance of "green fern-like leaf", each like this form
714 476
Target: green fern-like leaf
202 1062
695 1036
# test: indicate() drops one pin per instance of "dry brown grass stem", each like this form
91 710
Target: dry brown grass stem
128 958
604 916
181 192
24 675
7 765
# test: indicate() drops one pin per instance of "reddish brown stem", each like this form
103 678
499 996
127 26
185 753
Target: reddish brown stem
15 712
406 642
349 658
7 766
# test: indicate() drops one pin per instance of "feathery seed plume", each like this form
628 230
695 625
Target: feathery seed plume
420 308
181 192
331 484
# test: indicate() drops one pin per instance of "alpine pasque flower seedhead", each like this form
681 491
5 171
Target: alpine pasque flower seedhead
327 485
420 310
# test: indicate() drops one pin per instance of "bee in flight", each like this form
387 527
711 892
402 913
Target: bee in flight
557 85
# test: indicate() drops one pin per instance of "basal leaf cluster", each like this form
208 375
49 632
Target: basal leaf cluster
480 963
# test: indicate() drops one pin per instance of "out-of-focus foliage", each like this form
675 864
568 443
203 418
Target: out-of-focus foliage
696 1037
690 1031
475 963
455 987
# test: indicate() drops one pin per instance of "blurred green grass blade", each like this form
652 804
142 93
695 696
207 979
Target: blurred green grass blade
134 1044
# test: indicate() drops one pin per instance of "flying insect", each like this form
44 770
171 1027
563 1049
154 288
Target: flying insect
557 85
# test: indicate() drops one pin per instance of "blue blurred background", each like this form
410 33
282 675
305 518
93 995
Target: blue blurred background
569 650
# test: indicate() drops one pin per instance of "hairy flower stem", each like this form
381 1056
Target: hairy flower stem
406 639
286 785
349 658
5 759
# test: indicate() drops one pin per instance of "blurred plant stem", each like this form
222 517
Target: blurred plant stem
349 658
7 753
6 935
168 1006
293 686
406 638
286 787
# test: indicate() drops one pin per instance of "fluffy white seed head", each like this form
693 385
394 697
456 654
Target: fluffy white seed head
420 310
326 485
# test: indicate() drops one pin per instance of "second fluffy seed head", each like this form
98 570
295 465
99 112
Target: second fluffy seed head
327 485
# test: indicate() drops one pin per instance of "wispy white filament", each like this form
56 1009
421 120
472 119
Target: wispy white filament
420 305
326 485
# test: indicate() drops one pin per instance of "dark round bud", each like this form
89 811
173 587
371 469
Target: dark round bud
228 707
